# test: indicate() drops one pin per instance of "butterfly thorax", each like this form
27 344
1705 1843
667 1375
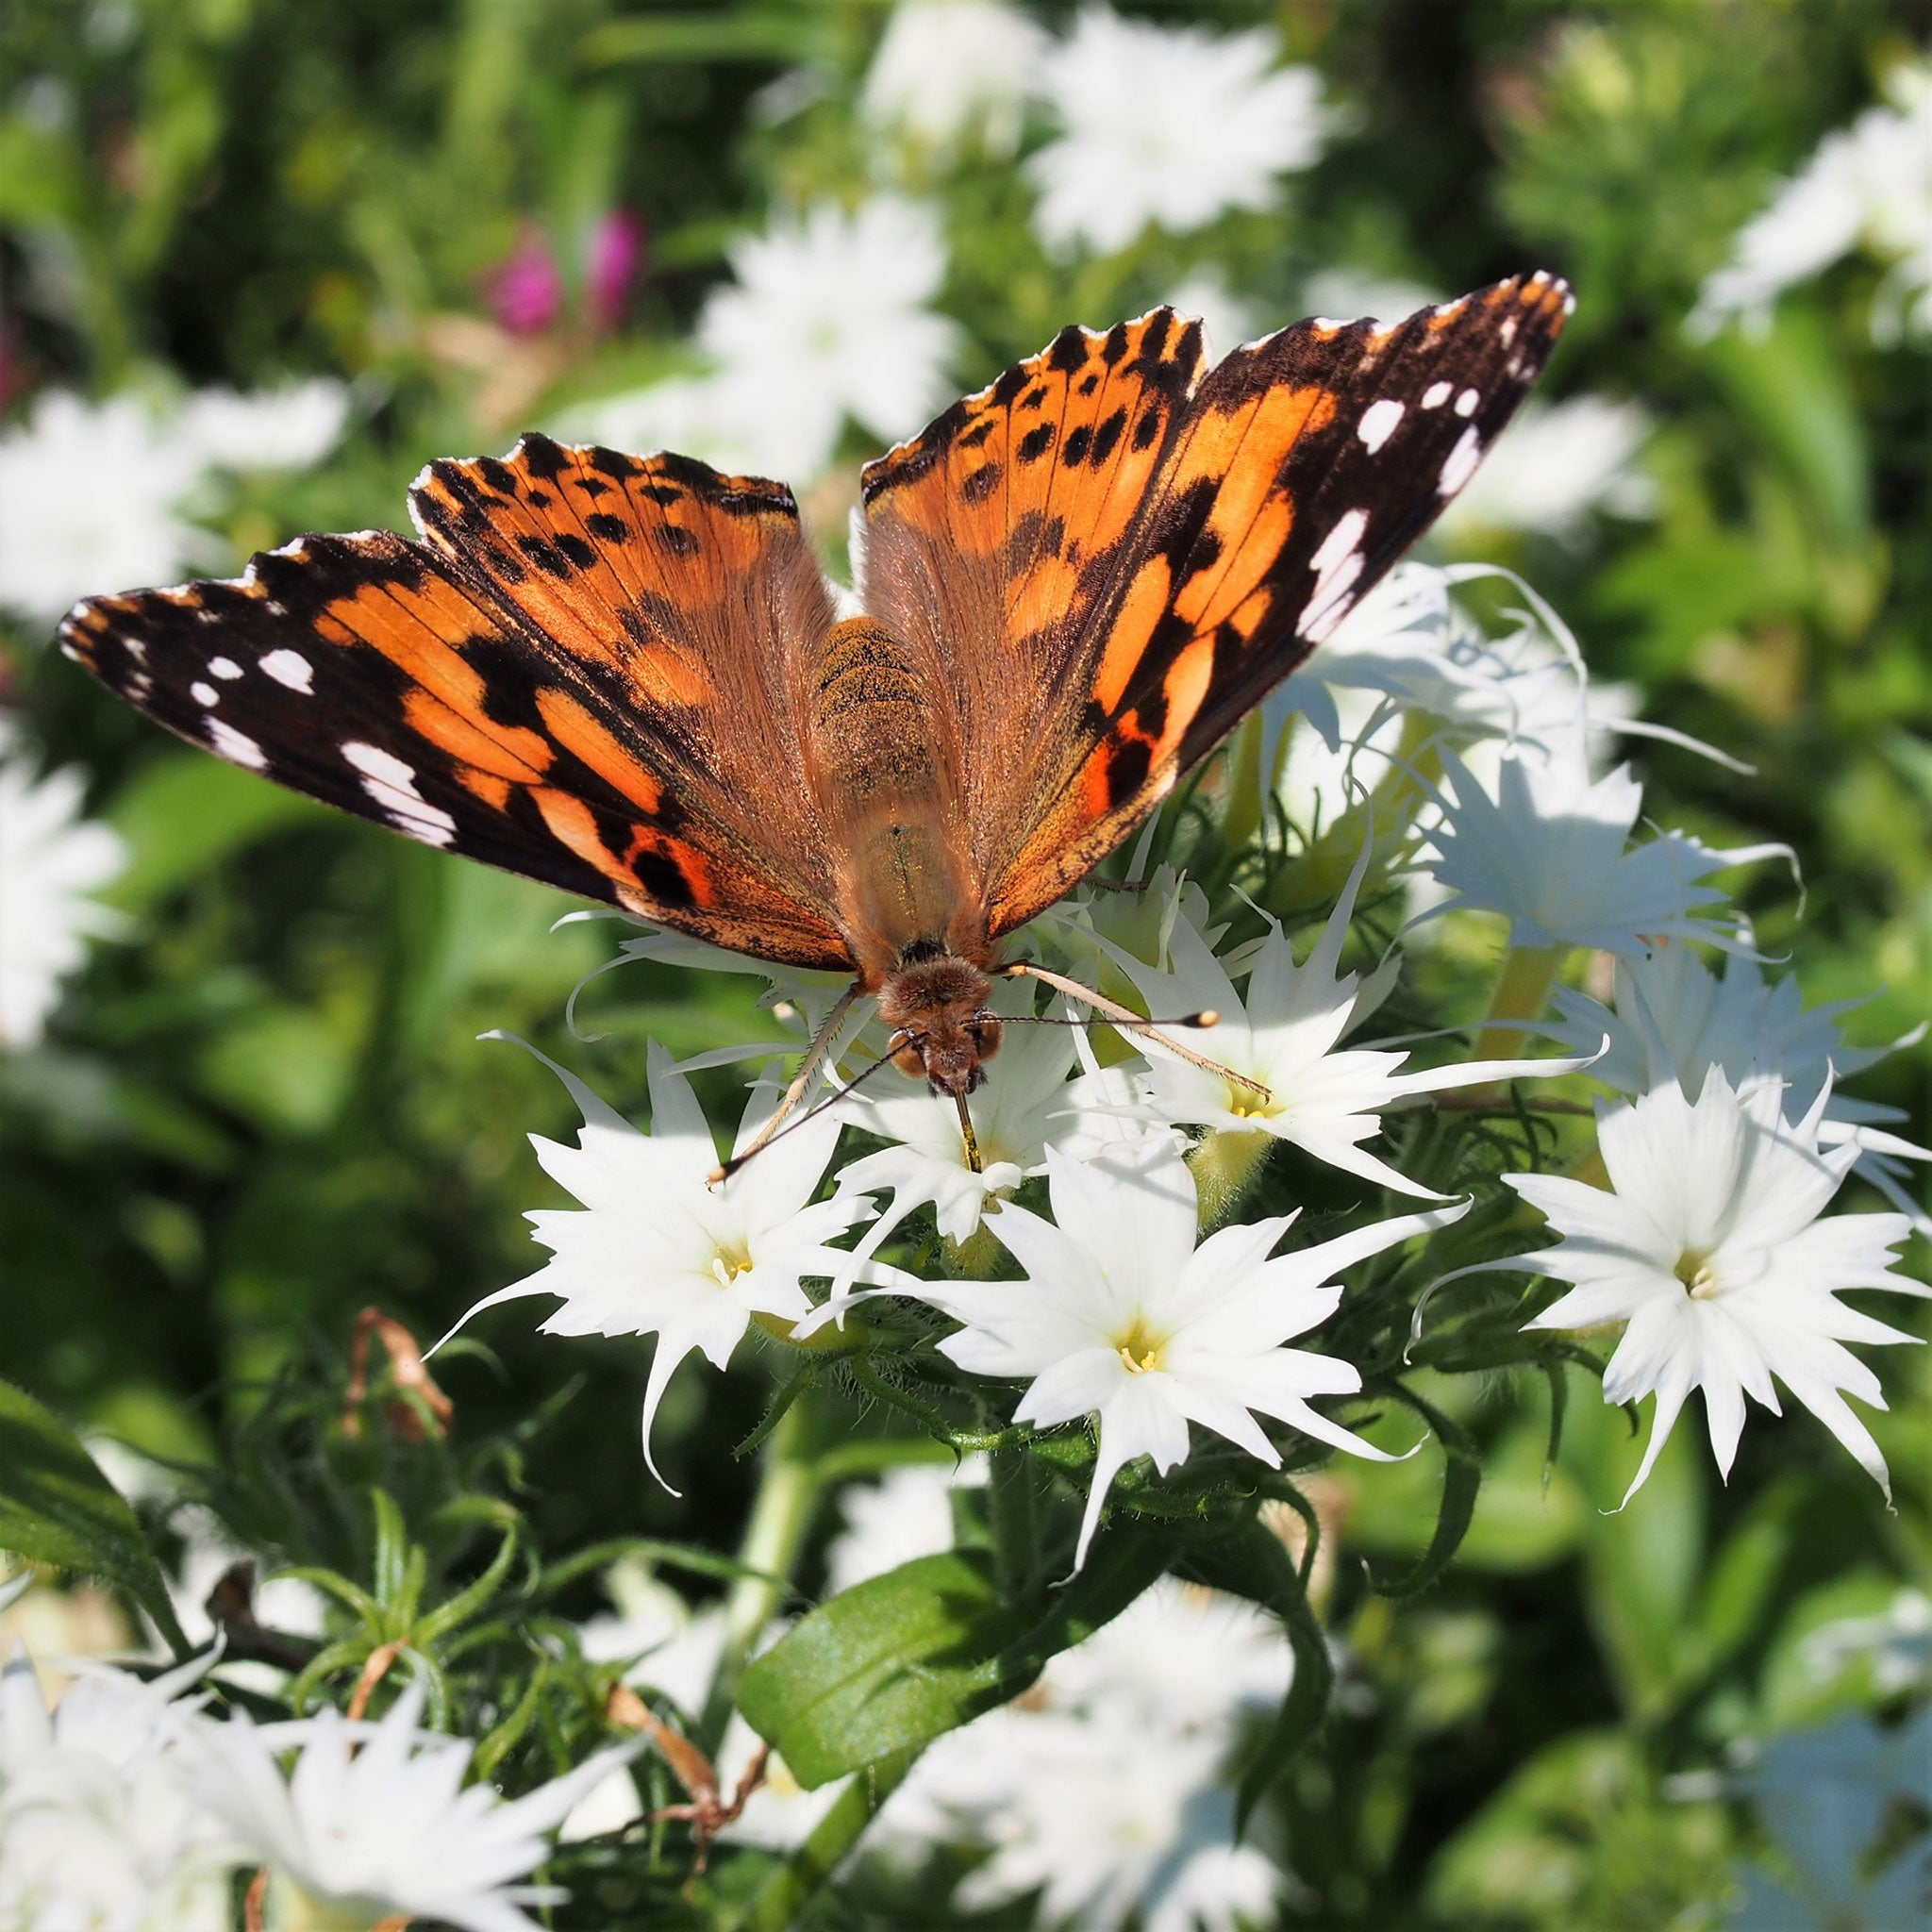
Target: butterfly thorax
888 787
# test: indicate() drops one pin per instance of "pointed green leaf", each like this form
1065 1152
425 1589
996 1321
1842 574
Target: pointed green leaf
56 1507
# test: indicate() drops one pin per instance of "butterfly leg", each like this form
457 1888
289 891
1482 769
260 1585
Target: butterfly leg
808 1068
1133 1022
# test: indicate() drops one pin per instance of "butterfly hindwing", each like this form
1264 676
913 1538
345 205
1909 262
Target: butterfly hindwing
382 678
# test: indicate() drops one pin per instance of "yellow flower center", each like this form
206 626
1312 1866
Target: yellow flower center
728 1264
1140 1350
1693 1270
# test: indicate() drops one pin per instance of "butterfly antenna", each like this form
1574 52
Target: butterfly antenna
1135 1022
725 1169
966 1133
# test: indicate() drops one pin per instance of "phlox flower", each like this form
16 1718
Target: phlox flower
354 1837
829 315
51 859
98 1830
1123 1317
907 1514
63 535
1105 1786
1552 853
1871 185
1674 1018
1026 1105
1172 126
1560 463
655 1249
1711 1248
1285 1037
947 69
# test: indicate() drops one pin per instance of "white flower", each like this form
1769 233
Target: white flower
1710 1247
50 860
830 316
1410 653
907 1513
1551 852
660 1251
1674 1020
1026 1105
93 495
1167 125
1123 1317
1869 184
1114 1824
98 1833
386 1831
1284 1038
1560 462
946 69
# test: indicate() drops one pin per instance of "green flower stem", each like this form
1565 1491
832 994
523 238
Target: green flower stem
1226 1164
1522 988
788 1889
788 1484
1015 1533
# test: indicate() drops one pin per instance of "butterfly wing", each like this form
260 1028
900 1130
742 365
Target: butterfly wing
1282 486
588 685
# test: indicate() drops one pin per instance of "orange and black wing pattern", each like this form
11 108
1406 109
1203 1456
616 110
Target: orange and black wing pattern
584 675
1277 490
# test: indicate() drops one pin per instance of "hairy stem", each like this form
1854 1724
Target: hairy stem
788 1484
788 1889
1522 988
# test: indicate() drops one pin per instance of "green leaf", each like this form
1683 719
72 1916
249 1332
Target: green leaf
1462 1477
1255 1564
183 815
56 1506
909 1655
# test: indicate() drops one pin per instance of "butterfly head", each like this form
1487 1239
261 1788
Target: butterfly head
935 1004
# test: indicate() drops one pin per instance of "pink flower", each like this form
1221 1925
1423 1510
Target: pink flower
524 289
613 255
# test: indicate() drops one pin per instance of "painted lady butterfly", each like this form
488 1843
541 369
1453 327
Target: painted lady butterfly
626 675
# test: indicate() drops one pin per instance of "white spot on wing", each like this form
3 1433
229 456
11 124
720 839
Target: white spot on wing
1505 334
1466 402
1336 563
391 783
1436 395
1379 423
236 745
223 667
1458 466
205 695
291 668
135 649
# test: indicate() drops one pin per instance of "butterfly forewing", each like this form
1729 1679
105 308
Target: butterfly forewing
401 685
1287 482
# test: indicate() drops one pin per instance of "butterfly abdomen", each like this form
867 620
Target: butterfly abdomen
886 780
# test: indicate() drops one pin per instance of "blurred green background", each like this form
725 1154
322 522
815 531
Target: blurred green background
263 1107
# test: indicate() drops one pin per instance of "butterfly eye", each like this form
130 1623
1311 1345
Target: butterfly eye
987 1035
910 1057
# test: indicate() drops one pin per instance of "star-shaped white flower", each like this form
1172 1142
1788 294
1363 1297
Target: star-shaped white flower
1674 1020
51 859
659 1250
1167 125
1710 1247
389 1830
98 1826
1284 1038
1551 852
949 69
1123 1317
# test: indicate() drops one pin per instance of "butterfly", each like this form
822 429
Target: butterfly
626 676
